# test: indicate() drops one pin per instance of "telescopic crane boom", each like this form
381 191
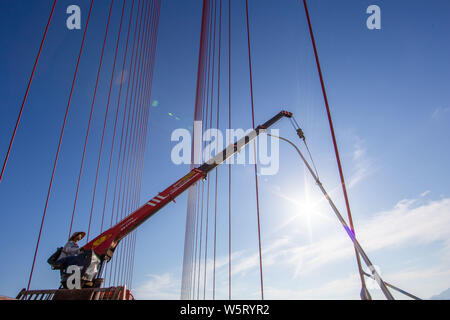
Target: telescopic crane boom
105 244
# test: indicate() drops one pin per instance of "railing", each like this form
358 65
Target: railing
113 293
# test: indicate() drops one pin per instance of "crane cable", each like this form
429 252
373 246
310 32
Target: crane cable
302 137
349 231
394 287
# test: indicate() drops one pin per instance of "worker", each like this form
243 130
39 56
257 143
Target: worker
72 249
71 254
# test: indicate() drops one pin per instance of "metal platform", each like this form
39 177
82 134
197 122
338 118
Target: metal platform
113 293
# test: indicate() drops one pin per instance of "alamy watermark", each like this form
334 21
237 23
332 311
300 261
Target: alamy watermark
73 21
74 280
374 20
204 146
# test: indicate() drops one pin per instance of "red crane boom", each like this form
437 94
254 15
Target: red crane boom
105 244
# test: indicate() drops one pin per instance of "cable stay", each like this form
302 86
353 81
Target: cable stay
365 295
130 158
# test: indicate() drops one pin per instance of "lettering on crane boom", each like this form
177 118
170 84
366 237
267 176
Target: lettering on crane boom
185 180
128 222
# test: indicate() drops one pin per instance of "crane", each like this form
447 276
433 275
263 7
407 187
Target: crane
101 249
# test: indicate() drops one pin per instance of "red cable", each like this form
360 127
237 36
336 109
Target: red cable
129 138
90 118
229 138
126 203
119 99
198 116
128 199
117 110
133 61
130 207
118 104
200 244
256 166
205 113
109 95
144 136
196 210
141 151
126 246
201 62
210 126
135 201
322 83
131 196
336 151
206 102
59 143
27 90
154 52
131 116
217 144
130 170
139 102
130 77
98 166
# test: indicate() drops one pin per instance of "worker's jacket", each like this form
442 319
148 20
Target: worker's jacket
70 249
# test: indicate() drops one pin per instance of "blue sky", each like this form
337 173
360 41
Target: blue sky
390 104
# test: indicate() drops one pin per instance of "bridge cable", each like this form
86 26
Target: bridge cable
136 137
121 158
59 143
229 165
210 127
125 108
90 118
217 146
341 174
27 90
144 136
256 165
135 95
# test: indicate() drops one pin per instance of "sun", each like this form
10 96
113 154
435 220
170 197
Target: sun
304 207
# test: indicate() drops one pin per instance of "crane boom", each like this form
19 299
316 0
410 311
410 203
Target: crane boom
105 244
